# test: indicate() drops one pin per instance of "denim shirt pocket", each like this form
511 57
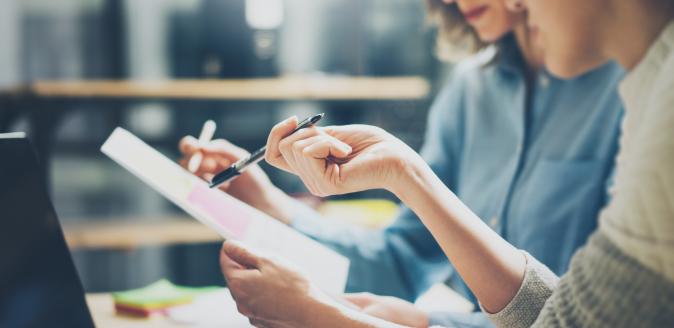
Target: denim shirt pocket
562 200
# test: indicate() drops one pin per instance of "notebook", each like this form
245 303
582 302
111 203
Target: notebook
225 214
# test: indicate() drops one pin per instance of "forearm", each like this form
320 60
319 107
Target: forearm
490 266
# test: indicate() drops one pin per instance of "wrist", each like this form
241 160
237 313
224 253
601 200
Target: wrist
412 172
323 312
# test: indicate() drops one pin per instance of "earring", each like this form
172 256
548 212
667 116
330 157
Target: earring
516 5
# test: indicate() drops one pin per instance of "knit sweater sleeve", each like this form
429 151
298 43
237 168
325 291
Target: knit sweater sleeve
537 286
603 288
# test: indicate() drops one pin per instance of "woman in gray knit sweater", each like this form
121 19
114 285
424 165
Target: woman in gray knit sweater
623 277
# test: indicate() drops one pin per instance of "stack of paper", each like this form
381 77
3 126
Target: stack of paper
228 216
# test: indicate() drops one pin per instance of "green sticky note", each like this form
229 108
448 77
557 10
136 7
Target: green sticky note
159 295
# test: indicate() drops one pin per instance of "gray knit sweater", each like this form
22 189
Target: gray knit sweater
603 288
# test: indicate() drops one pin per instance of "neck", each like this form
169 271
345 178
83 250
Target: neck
633 27
533 56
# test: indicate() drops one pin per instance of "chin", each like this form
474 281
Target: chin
490 36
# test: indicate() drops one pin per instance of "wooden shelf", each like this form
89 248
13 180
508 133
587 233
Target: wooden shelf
282 88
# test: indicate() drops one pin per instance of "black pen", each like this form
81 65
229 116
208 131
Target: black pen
238 167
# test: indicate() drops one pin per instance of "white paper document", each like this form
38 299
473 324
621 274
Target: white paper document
231 218
215 309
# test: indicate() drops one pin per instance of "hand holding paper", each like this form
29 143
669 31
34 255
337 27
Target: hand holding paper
268 290
253 187
225 214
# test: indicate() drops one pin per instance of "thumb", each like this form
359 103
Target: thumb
241 255
273 154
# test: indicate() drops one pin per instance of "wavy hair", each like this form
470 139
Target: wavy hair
456 38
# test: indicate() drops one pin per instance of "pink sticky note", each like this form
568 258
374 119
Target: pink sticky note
226 212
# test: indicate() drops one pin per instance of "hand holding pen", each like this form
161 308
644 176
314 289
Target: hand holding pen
237 168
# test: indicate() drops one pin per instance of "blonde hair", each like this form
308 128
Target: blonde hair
456 38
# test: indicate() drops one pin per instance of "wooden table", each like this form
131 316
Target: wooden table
438 298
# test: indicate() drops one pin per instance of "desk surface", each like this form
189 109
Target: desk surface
281 88
438 298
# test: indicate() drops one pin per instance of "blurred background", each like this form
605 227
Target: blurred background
194 40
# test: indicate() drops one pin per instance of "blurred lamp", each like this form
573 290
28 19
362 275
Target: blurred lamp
264 14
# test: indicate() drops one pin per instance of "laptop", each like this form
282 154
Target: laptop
39 286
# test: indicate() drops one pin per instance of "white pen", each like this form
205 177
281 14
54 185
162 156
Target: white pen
204 138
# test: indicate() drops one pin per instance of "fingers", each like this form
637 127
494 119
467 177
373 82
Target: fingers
261 323
216 156
188 145
326 147
227 264
337 131
310 154
239 282
273 155
360 299
241 255
237 272
292 154
257 323
225 149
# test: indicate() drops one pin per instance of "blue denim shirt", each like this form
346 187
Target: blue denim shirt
533 165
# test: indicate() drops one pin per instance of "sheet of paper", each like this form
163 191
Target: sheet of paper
226 215
215 309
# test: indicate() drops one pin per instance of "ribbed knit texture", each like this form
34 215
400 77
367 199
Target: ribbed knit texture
603 288
538 284
606 288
